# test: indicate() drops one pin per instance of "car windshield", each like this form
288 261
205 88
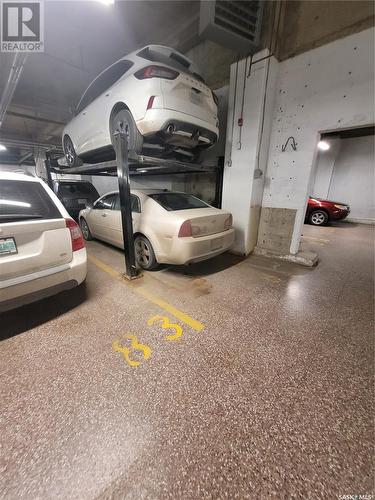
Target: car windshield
84 189
178 201
175 60
23 200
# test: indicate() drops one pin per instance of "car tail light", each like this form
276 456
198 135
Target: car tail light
215 98
185 229
156 72
150 102
228 222
75 235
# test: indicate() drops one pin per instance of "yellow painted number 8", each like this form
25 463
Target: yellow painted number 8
135 346
166 325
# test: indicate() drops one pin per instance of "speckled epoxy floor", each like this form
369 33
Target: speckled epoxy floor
272 399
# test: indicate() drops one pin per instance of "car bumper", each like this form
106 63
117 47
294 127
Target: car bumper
36 287
189 130
339 214
188 250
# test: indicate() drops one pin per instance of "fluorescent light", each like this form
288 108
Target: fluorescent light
323 145
2 147
107 2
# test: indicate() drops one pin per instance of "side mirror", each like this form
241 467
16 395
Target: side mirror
71 110
89 204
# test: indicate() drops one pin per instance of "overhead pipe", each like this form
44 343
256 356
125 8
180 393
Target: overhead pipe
11 84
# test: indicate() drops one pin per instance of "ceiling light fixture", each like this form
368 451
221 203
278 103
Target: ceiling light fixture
2 147
107 2
323 145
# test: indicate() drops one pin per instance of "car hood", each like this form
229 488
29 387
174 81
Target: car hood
330 201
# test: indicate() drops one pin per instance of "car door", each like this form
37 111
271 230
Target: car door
81 126
116 222
99 217
100 109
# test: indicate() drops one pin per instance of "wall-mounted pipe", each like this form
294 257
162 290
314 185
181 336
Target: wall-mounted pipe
11 84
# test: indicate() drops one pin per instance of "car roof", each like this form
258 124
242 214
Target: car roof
17 176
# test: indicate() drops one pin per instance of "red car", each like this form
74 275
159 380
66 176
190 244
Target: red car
319 212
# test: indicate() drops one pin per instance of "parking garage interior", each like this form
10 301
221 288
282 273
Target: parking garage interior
246 375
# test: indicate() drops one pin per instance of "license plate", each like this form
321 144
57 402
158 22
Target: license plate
7 246
82 201
195 98
217 243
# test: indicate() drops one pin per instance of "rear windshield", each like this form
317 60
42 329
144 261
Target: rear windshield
175 60
23 200
75 189
178 201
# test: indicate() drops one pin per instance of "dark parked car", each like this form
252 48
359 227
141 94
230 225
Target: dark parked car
319 212
75 195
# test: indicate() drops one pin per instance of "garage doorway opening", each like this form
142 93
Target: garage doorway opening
344 172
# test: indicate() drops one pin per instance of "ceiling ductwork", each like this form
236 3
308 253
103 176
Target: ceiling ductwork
231 23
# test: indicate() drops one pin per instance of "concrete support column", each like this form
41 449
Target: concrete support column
251 101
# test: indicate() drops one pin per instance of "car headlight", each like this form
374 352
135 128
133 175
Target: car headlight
341 207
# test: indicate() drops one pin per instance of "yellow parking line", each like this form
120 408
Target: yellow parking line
196 325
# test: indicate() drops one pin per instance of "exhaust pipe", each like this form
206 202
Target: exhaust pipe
171 128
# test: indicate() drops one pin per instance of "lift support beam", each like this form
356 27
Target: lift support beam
121 148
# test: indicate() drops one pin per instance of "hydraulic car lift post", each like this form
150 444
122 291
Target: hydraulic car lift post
122 158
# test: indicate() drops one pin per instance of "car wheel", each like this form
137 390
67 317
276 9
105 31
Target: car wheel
123 121
70 153
144 253
318 218
85 229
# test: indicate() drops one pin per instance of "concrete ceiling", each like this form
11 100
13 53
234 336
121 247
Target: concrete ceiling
81 39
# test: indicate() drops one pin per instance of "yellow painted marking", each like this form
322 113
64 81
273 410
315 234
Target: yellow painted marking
167 325
273 279
313 238
194 324
136 346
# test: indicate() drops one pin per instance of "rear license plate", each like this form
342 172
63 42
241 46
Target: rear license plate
7 246
82 201
195 98
216 244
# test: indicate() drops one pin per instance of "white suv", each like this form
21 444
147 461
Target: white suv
42 251
159 99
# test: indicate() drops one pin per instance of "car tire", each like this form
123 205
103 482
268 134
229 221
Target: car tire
123 119
318 218
144 253
70 154
85 229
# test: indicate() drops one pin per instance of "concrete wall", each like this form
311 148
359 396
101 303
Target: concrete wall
307 25
201 185
347 175
324 167
325 89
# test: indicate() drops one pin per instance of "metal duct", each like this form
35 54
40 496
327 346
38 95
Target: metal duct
232 23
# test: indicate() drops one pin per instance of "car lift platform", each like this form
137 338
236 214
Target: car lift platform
138 165
127 163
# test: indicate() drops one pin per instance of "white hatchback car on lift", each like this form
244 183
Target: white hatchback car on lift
42 251
157 96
